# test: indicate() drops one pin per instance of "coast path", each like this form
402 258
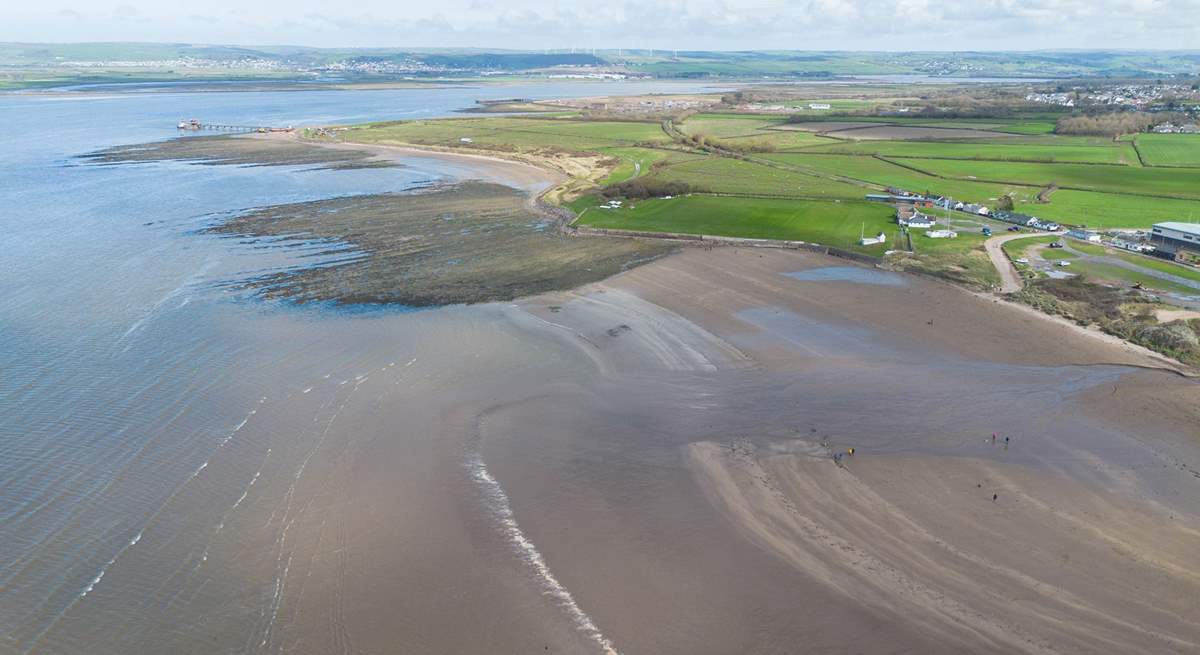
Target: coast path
1010 278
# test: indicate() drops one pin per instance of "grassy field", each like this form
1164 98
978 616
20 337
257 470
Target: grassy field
1019 248
732 129
1111 153
790 193
733 176
1170 149
885 173
728 125
638 161
1126 179
1102 210
1186 272
830 223
519 133
1098 271
1101 271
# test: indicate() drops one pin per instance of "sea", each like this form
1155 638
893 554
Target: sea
133 368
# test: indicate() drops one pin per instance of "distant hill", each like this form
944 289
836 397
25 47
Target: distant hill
652 63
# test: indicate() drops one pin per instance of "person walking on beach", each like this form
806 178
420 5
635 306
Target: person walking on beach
994 497
993 437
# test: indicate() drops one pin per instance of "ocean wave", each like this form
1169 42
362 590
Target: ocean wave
498 504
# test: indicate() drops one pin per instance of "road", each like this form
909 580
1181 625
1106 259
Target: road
1010 278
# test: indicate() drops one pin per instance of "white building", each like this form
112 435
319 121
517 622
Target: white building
1084 235
917 220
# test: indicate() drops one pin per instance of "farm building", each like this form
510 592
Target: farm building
818 105
942 234
871 241
1176 240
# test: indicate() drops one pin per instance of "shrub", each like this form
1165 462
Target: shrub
647 188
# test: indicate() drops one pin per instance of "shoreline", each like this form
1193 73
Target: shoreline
521 174
497 167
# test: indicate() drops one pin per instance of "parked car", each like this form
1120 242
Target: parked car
1063 262
1056 244
1022 260
1014 228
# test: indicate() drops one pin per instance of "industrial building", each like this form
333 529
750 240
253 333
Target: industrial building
1177 241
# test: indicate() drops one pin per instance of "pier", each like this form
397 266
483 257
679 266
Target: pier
197 125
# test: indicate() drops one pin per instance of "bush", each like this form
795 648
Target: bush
1111 124
647 188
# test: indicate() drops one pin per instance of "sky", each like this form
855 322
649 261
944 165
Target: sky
663 24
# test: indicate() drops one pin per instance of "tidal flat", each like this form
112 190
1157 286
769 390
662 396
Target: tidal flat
455 243
462 243
227 150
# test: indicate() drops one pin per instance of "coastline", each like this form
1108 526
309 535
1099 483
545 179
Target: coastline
488 167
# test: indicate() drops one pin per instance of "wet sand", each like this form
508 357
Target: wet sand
516 174
1089 546
241 150
637 466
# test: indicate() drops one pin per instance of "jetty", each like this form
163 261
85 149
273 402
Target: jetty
196 125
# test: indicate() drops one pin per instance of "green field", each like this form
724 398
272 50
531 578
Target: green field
1117 274
1101 210
731 130
1101 182
520 133
1125 179
728 125
637 161
1111 153
733 176
1019 248
885 173
1185 272
830 223
1170 149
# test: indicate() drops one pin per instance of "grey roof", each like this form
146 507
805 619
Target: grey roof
1190 228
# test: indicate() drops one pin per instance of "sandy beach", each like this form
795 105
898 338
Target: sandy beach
509 172
1087 547
646 464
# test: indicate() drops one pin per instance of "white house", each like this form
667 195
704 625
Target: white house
819 105
917 220
871 241
1084 235
942 234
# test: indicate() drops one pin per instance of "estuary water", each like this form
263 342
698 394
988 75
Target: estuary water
131 374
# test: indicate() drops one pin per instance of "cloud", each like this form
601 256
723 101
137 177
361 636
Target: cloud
695 24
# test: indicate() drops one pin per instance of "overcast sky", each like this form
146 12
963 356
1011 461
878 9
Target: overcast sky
699 24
